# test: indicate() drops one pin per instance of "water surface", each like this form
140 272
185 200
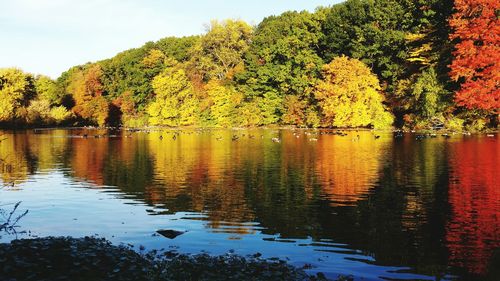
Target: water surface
393 208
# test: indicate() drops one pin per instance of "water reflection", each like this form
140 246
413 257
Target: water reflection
348 169
473 230
14 159
430 205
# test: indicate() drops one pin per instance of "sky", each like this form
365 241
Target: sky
49 36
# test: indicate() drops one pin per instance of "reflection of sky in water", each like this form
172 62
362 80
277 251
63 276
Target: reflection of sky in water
60 207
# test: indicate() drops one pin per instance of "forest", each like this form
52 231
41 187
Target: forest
380 64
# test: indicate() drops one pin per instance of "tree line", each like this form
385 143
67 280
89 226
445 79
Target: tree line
360 63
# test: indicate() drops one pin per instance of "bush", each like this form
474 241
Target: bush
38 112
60 114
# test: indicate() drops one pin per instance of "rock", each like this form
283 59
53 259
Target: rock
170 233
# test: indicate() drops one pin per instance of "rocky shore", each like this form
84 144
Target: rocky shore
90 258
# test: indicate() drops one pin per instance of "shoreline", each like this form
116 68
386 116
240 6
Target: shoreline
91 258
277 127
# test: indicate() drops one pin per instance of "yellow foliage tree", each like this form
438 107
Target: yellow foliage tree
154 58
223 103
16 89
59 114
175 103
349 95
38 112
249 115
219 54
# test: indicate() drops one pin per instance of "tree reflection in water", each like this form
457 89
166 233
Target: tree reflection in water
430 204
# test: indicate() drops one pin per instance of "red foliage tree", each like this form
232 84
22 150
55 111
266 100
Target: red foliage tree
476 29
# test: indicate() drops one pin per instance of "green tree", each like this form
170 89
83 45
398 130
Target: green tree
371 31
177 48
349 95
46 89
399 39
423 98
282 61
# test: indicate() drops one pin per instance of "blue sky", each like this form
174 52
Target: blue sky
49 36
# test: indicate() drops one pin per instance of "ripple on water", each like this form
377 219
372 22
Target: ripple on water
373 208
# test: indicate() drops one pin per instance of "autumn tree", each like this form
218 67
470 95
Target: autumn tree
174 103
476 29
59 115
87 91
349 95
295 110
124 111
16 90
224 100
134 69
249 114
219 53
38 112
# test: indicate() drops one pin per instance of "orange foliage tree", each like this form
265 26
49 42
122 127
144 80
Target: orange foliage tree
476 28
87 90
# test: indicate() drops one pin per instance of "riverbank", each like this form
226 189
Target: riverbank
440 130
89 258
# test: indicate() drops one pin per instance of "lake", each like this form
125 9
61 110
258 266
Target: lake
366 204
